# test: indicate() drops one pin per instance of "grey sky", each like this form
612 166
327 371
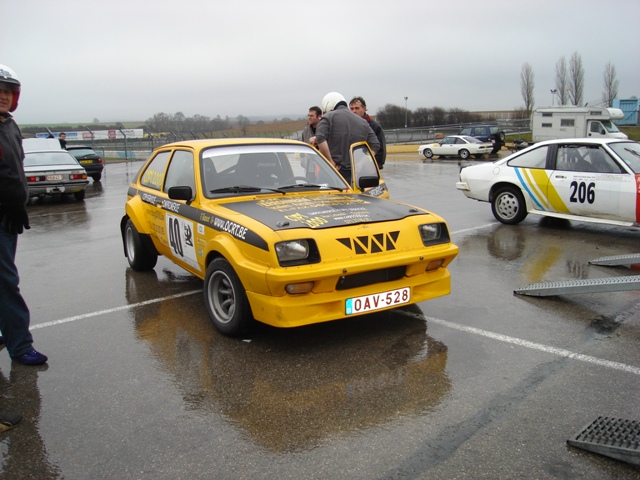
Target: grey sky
127 60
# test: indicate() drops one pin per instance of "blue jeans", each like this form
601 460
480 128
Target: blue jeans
14 313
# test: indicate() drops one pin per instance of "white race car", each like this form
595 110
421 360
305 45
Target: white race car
462 146
595 179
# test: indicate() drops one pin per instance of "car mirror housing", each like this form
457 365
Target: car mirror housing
180 193
368 182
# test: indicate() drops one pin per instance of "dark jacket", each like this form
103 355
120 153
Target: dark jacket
13 182
381 155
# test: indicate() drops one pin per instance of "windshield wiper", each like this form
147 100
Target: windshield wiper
310 185
243 189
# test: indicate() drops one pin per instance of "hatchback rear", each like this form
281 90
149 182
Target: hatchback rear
89 159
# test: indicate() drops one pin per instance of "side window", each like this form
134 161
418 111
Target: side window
596 127
533 159
154 173
601 161
459 140
465 131
574 158
180 172
364 164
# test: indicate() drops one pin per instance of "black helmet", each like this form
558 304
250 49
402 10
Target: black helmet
9 81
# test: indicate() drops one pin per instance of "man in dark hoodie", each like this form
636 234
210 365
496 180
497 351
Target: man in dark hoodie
14 195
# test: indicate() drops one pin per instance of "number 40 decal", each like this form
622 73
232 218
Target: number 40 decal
582 192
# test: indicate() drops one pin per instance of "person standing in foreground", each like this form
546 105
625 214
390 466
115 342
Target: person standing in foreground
309 132
14 195
359 107
338 129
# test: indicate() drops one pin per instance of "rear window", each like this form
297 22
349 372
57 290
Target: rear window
49 158
81 152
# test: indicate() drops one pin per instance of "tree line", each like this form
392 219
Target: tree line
569 83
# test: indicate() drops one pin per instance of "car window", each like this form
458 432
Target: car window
365 164
180 172
495 130
575 158
480 131
466 131
154 173
629 152
80 152
49 158
265 167
460 140
536 158
601 160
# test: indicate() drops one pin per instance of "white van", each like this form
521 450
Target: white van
549 123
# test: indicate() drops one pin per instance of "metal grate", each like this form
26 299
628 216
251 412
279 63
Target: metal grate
613 437
591 285
616 260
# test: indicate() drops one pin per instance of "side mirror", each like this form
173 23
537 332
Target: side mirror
180 193
368 182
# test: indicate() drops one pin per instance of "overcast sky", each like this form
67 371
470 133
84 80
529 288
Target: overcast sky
118 60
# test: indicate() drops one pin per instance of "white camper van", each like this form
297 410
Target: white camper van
549 123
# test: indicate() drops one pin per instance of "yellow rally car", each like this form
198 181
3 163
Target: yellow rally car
278 236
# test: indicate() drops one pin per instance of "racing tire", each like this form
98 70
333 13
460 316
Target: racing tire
464 154
139 257
226 299
508 206
79 196
428 153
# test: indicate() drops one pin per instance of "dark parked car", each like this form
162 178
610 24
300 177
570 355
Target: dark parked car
89 159
486 133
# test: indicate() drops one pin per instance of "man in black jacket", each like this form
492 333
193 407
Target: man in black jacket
359 107
14 195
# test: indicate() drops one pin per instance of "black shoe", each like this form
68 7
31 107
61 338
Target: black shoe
9 420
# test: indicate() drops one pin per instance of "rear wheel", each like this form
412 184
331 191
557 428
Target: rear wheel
508 206
96 177
464 154
226 299
79 196
139 257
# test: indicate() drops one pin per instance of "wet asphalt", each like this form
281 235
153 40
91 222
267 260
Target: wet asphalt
479 384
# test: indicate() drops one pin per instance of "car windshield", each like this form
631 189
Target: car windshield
610 127
254 169
35 159
629 152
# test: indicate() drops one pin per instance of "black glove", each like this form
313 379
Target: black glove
16 218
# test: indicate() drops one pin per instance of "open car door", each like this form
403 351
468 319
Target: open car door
365 174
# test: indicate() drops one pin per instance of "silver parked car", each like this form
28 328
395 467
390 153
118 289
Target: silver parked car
54 172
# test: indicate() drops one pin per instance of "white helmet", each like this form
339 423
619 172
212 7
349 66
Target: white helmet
9 81
330 101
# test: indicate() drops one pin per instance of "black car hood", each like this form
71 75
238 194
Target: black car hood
327 211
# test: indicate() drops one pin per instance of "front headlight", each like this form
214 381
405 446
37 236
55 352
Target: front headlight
434 233
292 251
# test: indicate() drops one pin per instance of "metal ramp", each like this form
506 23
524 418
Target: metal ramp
590 285
613 437
617 260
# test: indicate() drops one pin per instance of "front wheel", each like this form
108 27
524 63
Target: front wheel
139 257
428 153
226 299
508 206
464 154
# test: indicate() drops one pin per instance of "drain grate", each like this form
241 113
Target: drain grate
613 437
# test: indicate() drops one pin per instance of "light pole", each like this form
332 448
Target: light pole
405 111
553 95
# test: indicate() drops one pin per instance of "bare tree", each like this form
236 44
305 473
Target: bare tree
526 87
610 84
576 79
561 81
